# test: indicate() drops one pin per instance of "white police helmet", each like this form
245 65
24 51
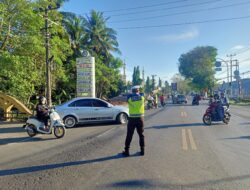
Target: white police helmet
135 87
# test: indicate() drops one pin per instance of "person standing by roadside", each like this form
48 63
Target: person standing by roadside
156 100
162 100
136 120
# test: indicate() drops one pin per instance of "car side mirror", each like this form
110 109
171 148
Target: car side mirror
109 106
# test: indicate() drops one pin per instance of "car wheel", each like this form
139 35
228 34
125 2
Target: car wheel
70 121
122 118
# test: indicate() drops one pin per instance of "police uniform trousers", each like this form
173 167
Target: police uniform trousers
138 124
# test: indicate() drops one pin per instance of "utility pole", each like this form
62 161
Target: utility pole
231 72
48 81
124 72
143 77
47 60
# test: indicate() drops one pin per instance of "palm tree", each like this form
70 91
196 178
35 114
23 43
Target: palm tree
101 40
75 28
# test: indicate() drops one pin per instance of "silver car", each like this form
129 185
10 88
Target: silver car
91 110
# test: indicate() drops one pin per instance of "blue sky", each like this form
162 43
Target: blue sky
158 49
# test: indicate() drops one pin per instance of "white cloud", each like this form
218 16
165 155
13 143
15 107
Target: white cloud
238 47
187 35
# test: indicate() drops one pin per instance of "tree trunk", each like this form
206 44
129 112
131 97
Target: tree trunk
5 39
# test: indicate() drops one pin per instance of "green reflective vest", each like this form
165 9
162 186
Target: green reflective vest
136 106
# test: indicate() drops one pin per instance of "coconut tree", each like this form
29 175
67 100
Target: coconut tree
75 28
101 40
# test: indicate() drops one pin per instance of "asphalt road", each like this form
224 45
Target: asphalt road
181 153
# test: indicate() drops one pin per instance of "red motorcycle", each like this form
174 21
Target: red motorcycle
212 114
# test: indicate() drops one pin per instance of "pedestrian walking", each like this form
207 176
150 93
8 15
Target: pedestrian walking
136 119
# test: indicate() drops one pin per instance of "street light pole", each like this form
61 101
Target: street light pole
226 62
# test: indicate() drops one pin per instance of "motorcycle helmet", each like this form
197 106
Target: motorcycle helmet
216 97
42 100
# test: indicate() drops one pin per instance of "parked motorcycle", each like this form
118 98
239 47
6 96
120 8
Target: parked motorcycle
33 126
210 117
195 101
150 105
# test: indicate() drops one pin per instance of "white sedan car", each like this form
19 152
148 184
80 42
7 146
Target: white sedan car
91 110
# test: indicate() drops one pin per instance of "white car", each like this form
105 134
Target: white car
91 110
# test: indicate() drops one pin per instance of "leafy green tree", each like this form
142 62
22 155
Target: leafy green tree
22 59
148 87
160 82
197 66
153 83
92 34
108 79
136 77
183 85
166 88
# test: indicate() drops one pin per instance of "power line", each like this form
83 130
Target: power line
248 59
146 6
185 23
242 51
180 13
169 8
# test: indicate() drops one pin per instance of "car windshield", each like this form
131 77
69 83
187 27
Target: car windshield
181 96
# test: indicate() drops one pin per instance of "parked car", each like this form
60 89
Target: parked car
181 99
91 110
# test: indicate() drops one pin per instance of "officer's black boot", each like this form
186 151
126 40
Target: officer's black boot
142 151
125 152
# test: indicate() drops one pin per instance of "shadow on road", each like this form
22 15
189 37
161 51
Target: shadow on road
12 130
241 137
38 168
176 105
106 124
156 184
176 125
246 123
11 123
22 140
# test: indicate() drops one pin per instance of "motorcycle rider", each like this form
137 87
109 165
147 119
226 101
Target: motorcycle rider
224 99
155 100
42 112
195 100
218 107
150 100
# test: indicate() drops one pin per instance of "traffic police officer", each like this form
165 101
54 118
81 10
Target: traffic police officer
136 119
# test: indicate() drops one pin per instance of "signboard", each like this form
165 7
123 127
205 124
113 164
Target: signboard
217 64
85 82
237 75
174 86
